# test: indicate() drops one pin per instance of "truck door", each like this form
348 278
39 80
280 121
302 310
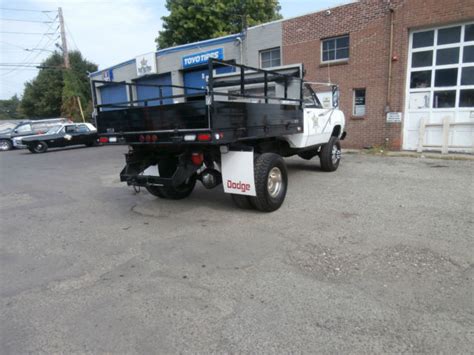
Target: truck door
316 118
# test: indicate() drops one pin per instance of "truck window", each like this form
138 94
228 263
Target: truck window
309 97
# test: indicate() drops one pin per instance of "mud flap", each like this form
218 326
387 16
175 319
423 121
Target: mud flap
238 173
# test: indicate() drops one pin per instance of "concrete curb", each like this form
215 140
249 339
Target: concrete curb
410 154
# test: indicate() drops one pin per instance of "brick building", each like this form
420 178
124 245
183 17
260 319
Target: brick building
351 46
397 63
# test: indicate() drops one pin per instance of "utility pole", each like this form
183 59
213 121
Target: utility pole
63 39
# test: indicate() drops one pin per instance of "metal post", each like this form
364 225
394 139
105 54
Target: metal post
210 80
130 94
161 95
265 88
242 79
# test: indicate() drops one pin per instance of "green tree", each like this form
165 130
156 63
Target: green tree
196 20
42 95
10 109
54 90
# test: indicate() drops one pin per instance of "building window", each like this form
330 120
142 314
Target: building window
335 49
359 103
270 58
441 68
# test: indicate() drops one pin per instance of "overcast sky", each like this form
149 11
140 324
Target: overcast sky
107 32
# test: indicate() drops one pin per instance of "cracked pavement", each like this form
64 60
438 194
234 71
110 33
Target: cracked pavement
376 257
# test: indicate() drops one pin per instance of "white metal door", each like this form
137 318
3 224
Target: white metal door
440 84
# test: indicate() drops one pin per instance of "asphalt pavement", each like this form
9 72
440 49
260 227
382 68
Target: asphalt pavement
376 257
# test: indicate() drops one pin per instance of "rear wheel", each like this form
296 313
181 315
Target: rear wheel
172 192
40 147
330 154
5 144
156 191
271 182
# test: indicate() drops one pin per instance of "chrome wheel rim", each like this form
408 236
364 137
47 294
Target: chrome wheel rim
336 154
39 146
274 182
4 145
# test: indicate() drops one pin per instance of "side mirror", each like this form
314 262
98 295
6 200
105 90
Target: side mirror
15 131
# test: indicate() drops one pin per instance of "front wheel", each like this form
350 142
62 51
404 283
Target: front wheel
271 182
330 155
5 144
40 147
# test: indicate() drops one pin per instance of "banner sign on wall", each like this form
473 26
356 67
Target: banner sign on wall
108 75
192 60
146 64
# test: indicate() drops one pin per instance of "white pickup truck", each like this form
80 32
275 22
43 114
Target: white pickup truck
234 132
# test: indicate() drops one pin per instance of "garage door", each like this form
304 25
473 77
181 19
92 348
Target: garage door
198 79
440 86
148 92
111 94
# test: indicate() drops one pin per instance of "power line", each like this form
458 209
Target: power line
24 10
72 37
13 45
31 53
27 33
18 20
18 65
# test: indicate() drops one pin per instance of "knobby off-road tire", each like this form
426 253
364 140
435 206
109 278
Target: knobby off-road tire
167 168
271 182
156 191
174 193
242 201
330 155
40 147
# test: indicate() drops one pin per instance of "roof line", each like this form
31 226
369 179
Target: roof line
197 44
218 39
350 2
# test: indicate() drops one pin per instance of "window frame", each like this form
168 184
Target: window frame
269 50
341 60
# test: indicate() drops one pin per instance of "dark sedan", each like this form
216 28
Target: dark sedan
62 136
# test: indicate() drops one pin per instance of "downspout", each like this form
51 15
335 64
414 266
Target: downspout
390 57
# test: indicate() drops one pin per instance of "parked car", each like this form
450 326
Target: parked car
62 136
28 128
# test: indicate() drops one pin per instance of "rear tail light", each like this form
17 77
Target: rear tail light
204 137
148 138
197 158
103 140
141 138
154 138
